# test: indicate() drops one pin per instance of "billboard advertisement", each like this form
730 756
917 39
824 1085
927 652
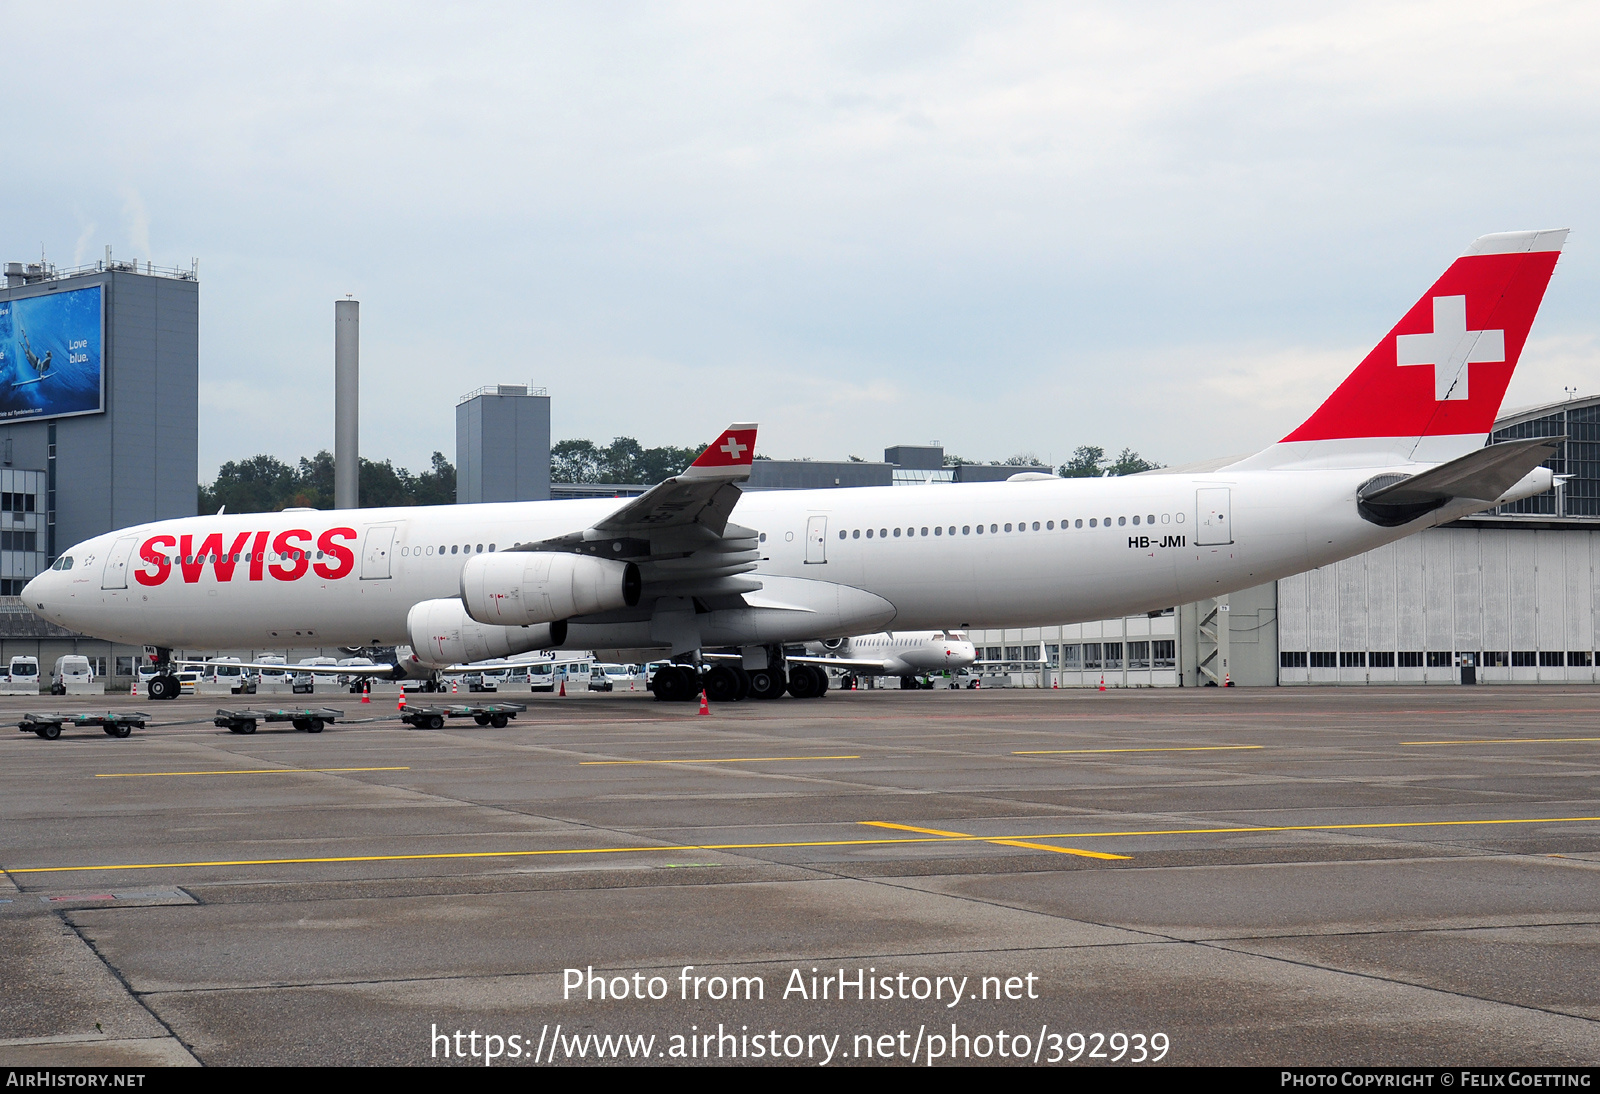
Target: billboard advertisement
51 360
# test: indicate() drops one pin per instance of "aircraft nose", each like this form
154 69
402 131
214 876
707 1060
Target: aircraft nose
33 591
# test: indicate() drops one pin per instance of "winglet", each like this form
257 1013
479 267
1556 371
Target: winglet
728 457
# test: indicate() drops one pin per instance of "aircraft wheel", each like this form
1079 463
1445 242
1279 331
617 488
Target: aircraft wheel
722 686
802 682
499 721
672 684
158 687
436 722
49 731
766 683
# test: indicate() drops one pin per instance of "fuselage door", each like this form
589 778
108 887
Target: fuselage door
1213 517
376 552
816 541
115 575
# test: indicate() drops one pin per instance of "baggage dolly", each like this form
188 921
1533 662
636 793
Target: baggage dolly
485 714
48 726
305 719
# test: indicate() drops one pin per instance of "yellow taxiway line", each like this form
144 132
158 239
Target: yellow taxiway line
1002 841
1506 741
731 760
245 771
1093 751
795 844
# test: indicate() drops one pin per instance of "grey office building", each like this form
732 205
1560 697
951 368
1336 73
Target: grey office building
503 444
127 457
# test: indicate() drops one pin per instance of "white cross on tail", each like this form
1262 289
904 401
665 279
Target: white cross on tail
734 449
1450 348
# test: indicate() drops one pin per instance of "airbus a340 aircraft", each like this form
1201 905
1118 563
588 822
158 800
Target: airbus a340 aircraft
695 564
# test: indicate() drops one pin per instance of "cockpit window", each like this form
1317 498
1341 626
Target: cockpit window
63 563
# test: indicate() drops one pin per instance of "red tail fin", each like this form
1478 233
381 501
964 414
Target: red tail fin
727 457
1443 370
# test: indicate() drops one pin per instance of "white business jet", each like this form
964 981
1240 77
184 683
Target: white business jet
695 564
910 655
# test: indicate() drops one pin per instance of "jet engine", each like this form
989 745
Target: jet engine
517 588
442 634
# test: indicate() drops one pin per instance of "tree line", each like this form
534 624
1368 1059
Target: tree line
265 484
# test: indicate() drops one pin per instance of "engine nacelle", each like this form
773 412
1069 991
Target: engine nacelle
518 588
443 634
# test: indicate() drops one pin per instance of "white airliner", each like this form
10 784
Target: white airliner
906 654
695 564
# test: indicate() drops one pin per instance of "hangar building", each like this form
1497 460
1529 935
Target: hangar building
1510 595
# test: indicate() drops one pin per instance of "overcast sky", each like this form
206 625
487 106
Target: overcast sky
1005 227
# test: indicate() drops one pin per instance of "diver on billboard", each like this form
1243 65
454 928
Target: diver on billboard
40 365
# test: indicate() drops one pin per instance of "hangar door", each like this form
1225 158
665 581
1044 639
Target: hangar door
1213 520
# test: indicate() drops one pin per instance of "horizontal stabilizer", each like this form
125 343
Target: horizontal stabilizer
1484 475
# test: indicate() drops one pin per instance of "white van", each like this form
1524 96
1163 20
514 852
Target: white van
304 683
24 670
73 673
230 671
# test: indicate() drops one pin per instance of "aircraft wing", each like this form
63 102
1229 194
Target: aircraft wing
678 532
375 671
860 664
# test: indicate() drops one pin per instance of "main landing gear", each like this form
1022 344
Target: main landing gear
164 685
726 683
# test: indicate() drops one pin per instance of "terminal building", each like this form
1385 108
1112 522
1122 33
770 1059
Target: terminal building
99 421
903 465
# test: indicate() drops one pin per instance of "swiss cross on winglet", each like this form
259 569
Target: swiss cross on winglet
728 457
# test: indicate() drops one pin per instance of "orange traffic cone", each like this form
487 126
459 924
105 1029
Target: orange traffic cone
1227 679
1055 682
563 692
704 709
452 687
133 689
1102 681
366 693
402 704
